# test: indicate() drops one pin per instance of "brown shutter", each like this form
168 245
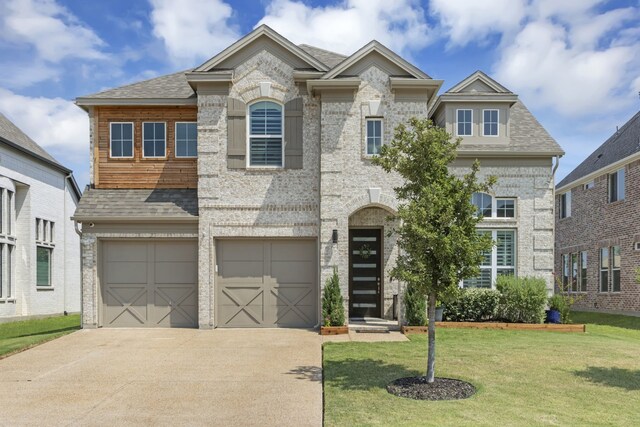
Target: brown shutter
236 134
293 134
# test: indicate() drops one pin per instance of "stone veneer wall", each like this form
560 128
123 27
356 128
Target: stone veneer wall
252 202
594 223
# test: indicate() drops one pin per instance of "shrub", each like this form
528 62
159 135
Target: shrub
415 307
473 305
559 302
332 302
522 299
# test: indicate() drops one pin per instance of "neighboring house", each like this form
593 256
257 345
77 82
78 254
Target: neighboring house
598 224
39 248
244 230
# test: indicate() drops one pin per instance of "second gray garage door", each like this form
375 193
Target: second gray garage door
266 283
150 283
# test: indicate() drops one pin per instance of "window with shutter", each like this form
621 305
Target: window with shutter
293 133
236 134
265 134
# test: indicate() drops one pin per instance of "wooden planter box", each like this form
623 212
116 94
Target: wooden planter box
494 325
334 330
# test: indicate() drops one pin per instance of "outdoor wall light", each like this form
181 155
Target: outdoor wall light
334 236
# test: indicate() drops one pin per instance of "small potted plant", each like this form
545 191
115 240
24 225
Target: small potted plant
557 305
333 318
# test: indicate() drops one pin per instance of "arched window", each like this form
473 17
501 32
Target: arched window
265 134
483 203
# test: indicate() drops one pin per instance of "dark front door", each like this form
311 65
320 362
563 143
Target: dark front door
365 253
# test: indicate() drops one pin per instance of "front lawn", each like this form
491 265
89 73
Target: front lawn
17 336
523 377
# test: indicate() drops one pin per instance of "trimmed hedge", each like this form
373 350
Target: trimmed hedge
415 306
522 299
473 305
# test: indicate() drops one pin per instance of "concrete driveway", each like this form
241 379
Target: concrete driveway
166 377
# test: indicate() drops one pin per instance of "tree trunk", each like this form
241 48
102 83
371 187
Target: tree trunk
431 355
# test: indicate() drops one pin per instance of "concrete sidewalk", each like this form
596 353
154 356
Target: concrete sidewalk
167 377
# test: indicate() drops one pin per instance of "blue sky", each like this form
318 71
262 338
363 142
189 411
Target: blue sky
574 63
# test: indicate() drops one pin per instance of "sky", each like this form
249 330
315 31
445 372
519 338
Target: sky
574 63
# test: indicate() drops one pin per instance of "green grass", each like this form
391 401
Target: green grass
17 336
523 378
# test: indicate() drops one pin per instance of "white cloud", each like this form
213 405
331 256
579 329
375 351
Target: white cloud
566 55
348 25
57 125
193 30
466 21
51 29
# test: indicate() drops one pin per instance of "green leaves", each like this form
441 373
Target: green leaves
332 302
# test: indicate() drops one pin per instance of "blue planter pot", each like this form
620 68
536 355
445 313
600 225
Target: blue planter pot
439 314
553 316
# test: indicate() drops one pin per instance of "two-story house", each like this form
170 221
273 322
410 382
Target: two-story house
225 196
39 247
597 228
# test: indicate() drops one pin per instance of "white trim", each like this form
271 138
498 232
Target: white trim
497 122
456 122
604 170
50 285
175 141
366 134
165 141
281 136
494 207
133 140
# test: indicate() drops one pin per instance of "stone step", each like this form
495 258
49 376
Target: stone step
369 329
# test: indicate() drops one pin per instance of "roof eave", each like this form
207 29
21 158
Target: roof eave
497 153
85 102
36 156
145 218
603 170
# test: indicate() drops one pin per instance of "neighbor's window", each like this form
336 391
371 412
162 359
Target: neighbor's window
44 251
121 140
7 242
186 139
265 134
490 122
604 269
499 261
583 271
154 141
589 185
490 207
464 121
374 136
565 204
616 186
574 272
615 269
565 271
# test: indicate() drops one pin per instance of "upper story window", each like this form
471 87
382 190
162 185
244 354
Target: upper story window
616 185
490 122
374 136
464 122
565 204
154 141
265 134
186 139
121 144
589 185
494 207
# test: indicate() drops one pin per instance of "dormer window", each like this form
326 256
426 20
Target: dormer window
490 122
464 121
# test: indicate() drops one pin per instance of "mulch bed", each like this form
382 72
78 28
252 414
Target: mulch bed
440 389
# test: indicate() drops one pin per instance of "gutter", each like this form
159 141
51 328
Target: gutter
553 210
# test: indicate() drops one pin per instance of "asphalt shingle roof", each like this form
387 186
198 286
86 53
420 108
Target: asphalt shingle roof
12 133
169 86
132 204
622 144
328 58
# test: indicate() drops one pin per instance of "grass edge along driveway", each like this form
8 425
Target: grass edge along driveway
21 335
523 377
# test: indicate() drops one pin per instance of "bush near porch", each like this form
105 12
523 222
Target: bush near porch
523 377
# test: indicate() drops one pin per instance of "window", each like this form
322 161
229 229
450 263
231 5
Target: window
43 266
154 140
7 242
489 207
589 185
121 139
574 272
265 134
565 271
615 269
565 204
499 261
464 121
616 186
186 139
610 269
490 122
374 136
583 271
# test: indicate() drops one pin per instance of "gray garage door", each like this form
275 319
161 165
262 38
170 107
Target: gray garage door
150 284
266 283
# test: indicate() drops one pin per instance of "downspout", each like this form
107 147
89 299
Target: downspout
319 240
79 233
553 210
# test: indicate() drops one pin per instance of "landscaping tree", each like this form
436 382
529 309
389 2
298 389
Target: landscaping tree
332 302
439 245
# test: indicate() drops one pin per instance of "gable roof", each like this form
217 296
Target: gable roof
623 143
262 31
137 204
375 46
482 77
327 57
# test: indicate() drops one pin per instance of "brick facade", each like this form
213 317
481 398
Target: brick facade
595 223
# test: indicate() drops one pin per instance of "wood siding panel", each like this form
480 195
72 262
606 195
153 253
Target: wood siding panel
170 172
